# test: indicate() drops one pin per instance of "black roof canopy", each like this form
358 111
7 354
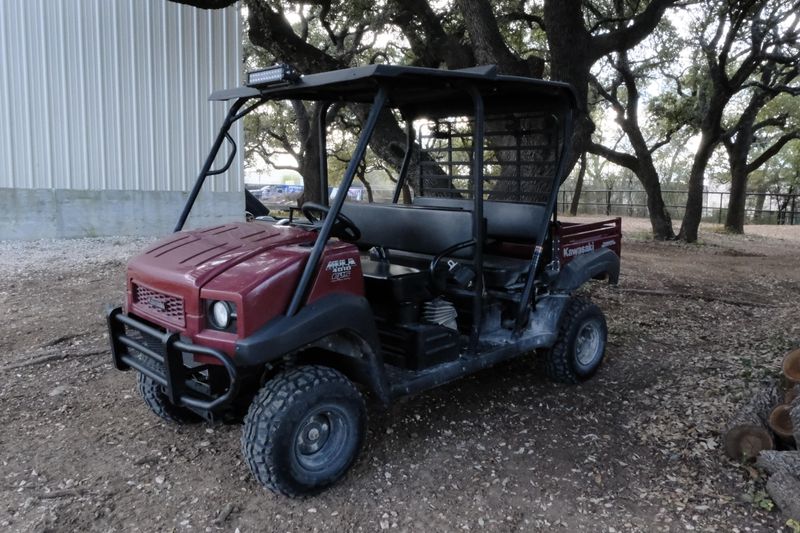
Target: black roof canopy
419 91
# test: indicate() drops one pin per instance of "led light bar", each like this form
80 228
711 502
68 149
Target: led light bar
273 76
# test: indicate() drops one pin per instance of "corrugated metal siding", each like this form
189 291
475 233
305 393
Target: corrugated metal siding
112 94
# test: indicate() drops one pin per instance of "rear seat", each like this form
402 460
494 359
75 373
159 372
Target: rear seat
416 233
505 221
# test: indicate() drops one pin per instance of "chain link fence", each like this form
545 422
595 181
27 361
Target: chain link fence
760 208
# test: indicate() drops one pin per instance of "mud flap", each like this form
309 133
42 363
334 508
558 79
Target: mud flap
542 329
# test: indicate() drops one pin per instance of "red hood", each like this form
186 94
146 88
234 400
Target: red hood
193 258
253 265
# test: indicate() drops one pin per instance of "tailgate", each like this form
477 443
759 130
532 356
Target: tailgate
576 238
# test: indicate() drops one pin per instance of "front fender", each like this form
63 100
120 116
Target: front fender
585 267
326 317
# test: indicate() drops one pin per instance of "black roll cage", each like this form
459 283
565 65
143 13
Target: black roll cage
238 111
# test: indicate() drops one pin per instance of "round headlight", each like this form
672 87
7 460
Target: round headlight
221 315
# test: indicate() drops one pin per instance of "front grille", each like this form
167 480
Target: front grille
165 306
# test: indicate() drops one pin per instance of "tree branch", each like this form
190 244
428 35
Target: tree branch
618 158
778 121
770 152
667 138
431 45
270 30
520 16
627 37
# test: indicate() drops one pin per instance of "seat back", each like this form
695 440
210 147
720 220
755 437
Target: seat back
509 221
425 230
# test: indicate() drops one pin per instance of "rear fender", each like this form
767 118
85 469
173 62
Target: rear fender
339 323
585 267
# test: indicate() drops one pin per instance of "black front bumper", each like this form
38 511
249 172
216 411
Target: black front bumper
170 371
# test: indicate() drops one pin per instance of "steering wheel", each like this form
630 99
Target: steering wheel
343 228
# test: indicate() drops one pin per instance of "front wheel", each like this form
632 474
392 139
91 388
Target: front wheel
304 430
581 343
159 403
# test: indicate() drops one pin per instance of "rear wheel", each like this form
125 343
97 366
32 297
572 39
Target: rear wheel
581 343
304 430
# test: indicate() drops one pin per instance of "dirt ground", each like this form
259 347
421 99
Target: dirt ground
635 449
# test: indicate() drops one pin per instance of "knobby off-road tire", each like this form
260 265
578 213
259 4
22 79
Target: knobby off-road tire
304 430
158 402
581 344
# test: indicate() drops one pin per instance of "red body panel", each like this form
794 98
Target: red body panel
576 238
255 266
340 271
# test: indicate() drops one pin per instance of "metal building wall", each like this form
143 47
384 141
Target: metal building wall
110 97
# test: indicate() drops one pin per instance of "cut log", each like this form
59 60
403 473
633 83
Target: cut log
784 489
791 366
791 394
747 433
794 416
780 423
774 461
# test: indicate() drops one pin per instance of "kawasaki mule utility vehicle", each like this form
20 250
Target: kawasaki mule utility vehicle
293 321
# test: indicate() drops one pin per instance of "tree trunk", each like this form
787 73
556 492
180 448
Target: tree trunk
738 147
747 433
569 44
734 220
363 179
576 196
648 176
642 164
406 194
659 216
389 143
784 489
309 163
694 200
760 199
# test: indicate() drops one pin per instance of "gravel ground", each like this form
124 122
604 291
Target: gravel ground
693 330
23 258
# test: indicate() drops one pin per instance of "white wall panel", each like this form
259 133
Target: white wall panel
112 94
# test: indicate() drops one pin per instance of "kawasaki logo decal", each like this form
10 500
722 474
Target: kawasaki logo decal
578 250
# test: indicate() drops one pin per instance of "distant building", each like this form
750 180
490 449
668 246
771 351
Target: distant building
104 119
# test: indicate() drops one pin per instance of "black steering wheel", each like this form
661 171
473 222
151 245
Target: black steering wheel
343 228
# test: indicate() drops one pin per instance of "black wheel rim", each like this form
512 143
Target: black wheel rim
321 439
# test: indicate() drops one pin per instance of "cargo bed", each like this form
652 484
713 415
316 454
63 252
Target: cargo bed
577 238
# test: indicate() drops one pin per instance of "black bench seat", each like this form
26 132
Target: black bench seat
426 230
505 221
414 235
